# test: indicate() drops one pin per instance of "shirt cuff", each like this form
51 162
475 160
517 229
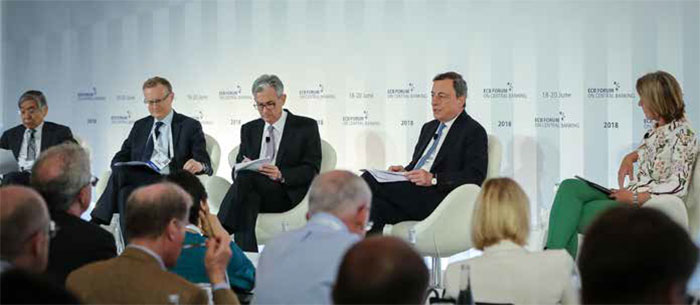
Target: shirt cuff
218 286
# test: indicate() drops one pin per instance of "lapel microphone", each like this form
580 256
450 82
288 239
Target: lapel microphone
435 136
267 139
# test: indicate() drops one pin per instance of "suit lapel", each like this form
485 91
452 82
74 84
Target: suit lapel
176 128
425 139
455 129
45 136
256 145
284 142
18 138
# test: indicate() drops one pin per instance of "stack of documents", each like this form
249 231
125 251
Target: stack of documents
383 176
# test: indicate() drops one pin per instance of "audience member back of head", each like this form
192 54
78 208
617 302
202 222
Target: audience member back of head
381 270
635 256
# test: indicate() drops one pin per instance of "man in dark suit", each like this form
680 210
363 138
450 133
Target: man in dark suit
451 151
62 176
33 136
157 216
166 140
293 145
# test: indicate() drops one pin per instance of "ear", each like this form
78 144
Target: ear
37 243
462 100
283 98
173 229
84 197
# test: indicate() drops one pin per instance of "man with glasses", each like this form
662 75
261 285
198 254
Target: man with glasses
62 176
33 136
292 147
25 230
452 150
300 267
165 140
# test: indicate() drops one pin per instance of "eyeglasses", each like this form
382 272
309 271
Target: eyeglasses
268 105
369 225
157 101
30 111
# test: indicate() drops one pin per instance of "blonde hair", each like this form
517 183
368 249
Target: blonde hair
663 95
501 212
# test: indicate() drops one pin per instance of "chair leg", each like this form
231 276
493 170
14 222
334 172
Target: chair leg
436 273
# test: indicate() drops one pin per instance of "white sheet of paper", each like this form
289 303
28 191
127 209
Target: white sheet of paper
253 165
383 176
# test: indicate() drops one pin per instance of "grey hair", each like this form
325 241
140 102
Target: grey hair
59 188
268 80
460 85
338 192
34 95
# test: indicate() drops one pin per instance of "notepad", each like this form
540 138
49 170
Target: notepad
383 176
595 185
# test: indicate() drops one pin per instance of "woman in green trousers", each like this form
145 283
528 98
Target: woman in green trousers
665 160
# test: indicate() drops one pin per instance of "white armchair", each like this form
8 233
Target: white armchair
447 230
214 151
269 225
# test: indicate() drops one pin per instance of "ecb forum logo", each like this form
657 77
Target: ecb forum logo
90 95
234 94
612 92
506 92
317 92
408 92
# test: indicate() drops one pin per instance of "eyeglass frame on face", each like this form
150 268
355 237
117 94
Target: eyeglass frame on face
51 230
30 111
93 180
260 106
157 101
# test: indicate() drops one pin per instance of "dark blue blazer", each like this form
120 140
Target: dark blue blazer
51 134
188 142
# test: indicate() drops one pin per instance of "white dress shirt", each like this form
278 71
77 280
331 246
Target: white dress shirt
508 273
279 130
25 164
429 162
163 145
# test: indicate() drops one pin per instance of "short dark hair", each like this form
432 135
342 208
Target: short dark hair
381 270
34 95
191 184
458 82
150 210
157 80
632 255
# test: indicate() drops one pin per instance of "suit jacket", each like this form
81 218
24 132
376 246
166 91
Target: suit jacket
77 243
508 273
298 156
188 142
135 277
463 156
51 134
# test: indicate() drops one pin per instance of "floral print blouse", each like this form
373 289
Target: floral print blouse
666 158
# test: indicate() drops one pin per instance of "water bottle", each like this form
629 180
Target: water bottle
412 236
465 289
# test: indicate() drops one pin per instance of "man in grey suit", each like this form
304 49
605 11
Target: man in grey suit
300 266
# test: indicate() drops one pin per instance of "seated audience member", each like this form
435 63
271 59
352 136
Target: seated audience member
300 266
31 137
381 270
506 272
664 160
452 150
635 256
21 287
25 229
240 270
166 139
293 145
62 176
156 218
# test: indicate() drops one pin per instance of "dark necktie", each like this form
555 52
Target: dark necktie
31 146
148 152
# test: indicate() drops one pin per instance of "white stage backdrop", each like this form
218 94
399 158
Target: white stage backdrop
553 80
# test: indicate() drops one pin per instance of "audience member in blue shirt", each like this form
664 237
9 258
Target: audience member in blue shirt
190 263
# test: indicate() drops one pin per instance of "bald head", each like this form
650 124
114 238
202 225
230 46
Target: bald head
338 192
381 270
24 221
60 173
150 209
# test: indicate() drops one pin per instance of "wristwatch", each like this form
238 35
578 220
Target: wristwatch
434 180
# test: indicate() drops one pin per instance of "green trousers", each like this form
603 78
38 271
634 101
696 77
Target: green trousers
575 206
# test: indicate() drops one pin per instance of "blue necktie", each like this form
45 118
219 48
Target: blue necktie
432 148
149 144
